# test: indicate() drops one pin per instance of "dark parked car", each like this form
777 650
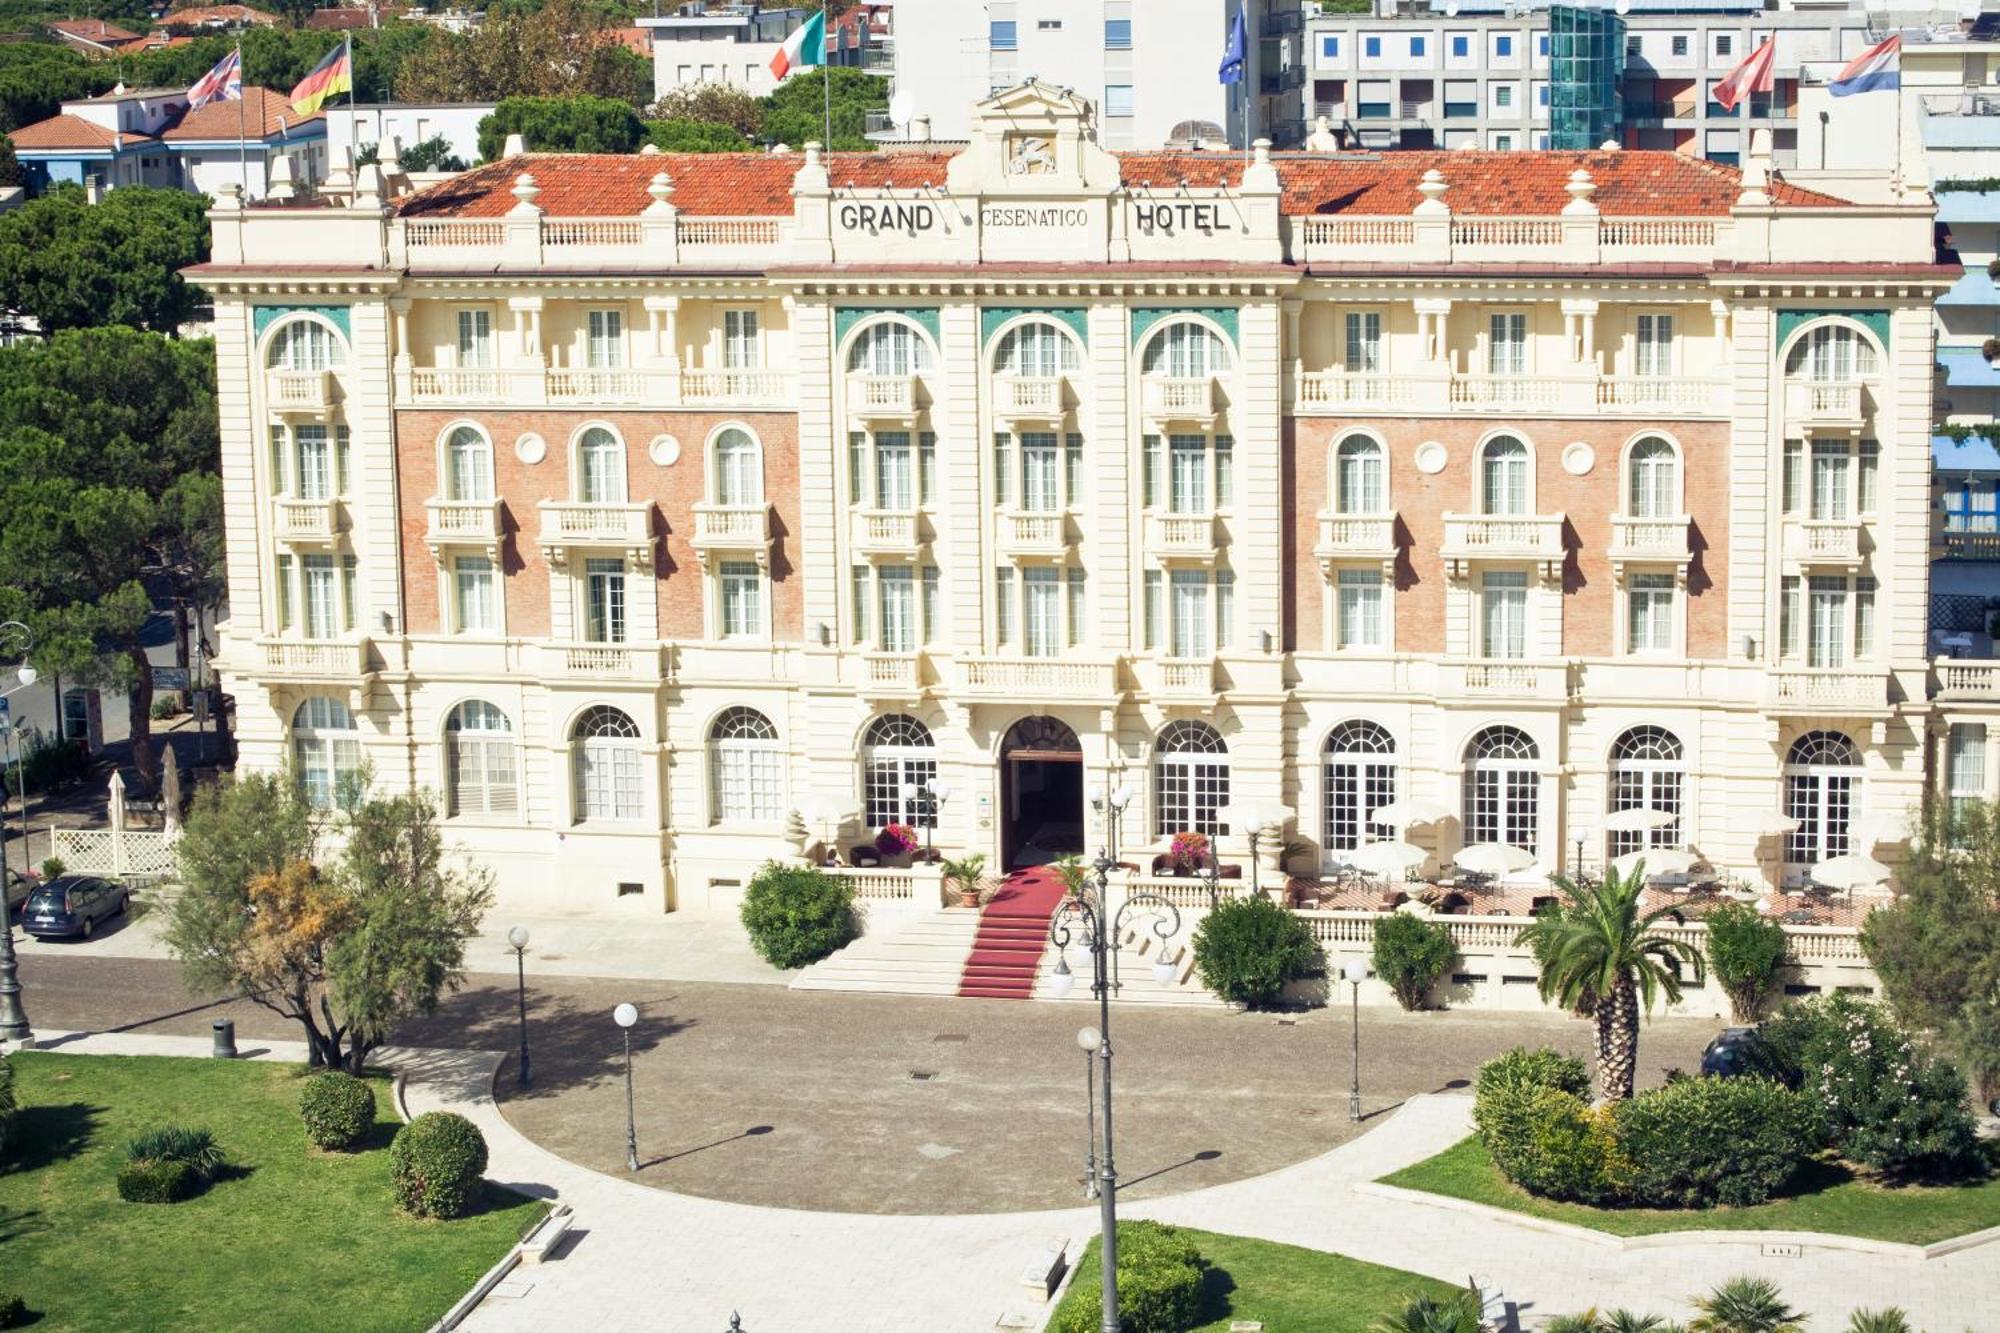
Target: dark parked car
72 905
19 886
1733 1053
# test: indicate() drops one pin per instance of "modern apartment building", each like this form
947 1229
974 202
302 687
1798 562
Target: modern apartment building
718 43
651 507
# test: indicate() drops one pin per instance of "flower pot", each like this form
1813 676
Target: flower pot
968 897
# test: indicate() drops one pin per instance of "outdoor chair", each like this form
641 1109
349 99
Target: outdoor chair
859 857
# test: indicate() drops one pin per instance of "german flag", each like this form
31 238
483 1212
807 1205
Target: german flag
333 75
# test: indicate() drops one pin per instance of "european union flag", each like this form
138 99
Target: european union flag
1233 55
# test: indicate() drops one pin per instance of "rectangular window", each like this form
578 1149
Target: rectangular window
895 482
1364 340
1864 617
1156 607
1188 628
1371 47
280 465
1793 479
1041 612
1187 491
927 466
1650 613
604 601
1542 50
741 346
1040 485
1118 34
1077 634
341 475
475 339
321 600
1826 624
1503 46
1542 96
1461 46
1359 619
350 588
899 610
315 470
1965 780
1503 96
1655 346
1867 474
857 466
1002 492
1002 35
1003 606
605 349
1416 48
284 592
1680 46
1225 608
742 600
1503 615
861 582
1150 466
1329 47
473 576
1789 616
933 586
1634 46
1509 349
1225 471
1724 44
1117 99
1829 479
1073 471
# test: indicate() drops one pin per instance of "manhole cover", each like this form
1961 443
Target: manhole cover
1309 1110
952 1036
1288 1022
923 1075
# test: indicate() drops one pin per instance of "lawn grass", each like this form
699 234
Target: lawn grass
287 1238
1823 1196
1291 1290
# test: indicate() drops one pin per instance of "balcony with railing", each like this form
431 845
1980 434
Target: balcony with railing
598 663
1535 538
1431 391
1961 544
732 528
1182 537
596 384
1025 400
306 522
1034 534
1965 679
463 384
1650 541
1849 691
882 398
315 661
567 523
1039 678
308 393
1824 543
877 675
462 523
1831 406
1545 682
1190 399
713 387
891 533
1182 678
1356 537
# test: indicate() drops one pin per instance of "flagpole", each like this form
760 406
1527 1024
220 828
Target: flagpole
242 132
825 73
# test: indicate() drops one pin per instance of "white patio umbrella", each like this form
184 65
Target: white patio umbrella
170 793
1493 858
1262 813
1638 820
1772 824
1659 861
1849 872
1410 810
1389 859
117 801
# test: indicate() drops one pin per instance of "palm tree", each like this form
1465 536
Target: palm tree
1746 1305
1626 1321
1588 1322
1460 1312
1601 960
1886 1320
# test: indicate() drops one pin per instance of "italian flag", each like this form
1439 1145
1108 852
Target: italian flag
804 48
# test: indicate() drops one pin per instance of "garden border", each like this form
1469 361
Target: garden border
1825 1240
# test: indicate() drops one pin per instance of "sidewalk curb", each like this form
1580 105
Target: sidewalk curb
1662 1240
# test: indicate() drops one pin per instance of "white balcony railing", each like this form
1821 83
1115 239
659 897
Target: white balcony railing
1826 690
1431 390
1321 390
585 384
1034 533
335 661
886 531
1180 399
1961 545
732 388
451 384
884 396
569 522
1656 540
476 522
603 661
1548 681
1959 678
720 527
1038 678
1830 405
1647 393
1028 397
899 674
1536 537
1181 536
1824 541
1526 392
1357 537
306 520
311 392
1179 677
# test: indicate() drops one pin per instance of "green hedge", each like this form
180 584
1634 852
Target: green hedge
338 1110
1411 955
1159 1284
156 1180
435 1162
797 915
1249 949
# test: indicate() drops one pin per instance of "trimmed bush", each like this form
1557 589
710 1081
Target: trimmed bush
797 915
338 1110
1698 1142
1540 1066
196 1148
1249 949
1411 954
1159 1284
436 1161
156 1181
13 1310
1746 950
1874 1095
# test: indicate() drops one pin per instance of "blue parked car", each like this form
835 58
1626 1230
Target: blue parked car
72 905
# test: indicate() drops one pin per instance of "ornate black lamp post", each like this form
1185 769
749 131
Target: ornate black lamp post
1088 914
15 638
625 1016
517 940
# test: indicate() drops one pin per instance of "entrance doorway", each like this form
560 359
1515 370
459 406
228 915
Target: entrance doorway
1041 793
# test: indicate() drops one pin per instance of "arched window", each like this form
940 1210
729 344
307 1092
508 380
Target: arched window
1503 476
479 776
306 344
1831 353
1503 788
600 468
1186 350
1358 774
1040 349
890 347
468 465
604 754
897 752
1190 780
1647 768
1822 787
1360 477
745 767
739 468
1653 479
326 753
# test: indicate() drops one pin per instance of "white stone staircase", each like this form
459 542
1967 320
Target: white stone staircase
923 956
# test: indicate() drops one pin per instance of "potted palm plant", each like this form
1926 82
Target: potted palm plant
964 875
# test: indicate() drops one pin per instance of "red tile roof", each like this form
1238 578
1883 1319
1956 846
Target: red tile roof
70 131
218 16
346 18
1631 183
263 113
95 32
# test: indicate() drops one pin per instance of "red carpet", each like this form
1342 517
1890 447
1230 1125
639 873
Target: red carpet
1013 929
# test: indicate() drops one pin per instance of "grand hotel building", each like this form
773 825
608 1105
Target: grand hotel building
636 503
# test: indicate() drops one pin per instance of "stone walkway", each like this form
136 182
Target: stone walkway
643 1258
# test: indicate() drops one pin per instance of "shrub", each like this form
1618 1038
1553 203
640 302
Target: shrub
8 1106
13 1310
1248 949
179 1143
1745 951
1159 1284
166 706
52 868
1698 1142
436 1161
1745 1305
1460 1312
1411 954
1530 1111
1540 1066
338 1110
797 914
1874 1095
156 1181
1888 1320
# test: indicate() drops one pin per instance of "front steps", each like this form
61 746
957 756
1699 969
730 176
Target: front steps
925 956
1006 954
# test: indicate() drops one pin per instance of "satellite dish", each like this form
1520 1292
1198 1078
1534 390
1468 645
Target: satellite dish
1451 10
901 107
1624 6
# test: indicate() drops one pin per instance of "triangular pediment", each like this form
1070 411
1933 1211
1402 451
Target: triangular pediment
1033 139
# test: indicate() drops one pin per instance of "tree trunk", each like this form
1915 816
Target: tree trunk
1617 1042
181 635
143 757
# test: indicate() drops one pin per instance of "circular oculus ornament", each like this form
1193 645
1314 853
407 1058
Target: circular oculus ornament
1431 458
665 450
1578 458
531 449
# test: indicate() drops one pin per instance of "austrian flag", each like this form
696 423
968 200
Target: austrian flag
804 48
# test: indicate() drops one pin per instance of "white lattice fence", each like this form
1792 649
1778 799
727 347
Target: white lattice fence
98 851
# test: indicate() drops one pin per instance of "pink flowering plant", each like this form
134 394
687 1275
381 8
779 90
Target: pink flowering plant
896 840
1189 849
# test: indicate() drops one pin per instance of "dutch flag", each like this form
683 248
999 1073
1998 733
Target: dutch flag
1877 68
